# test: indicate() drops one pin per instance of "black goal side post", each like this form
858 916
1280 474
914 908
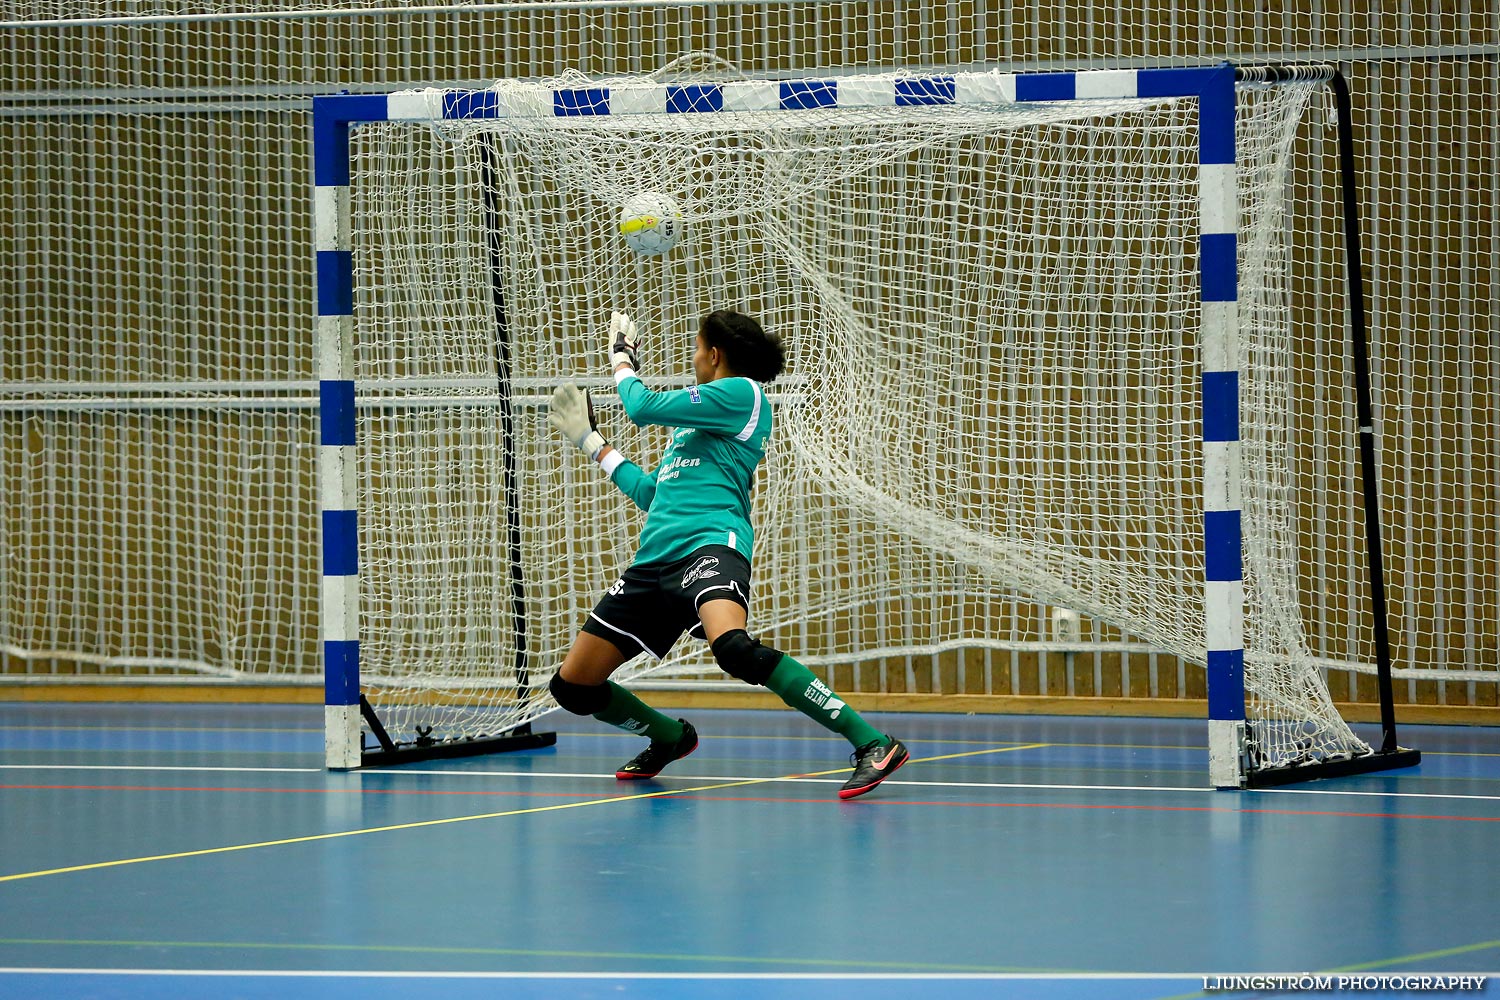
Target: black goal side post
521 737
1389 753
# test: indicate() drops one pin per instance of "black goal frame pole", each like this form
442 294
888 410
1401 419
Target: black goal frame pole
1390 754
520 737
1365 412
510 487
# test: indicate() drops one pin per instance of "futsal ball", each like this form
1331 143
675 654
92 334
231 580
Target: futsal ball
651 223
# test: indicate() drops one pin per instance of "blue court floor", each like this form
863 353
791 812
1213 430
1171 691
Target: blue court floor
151 851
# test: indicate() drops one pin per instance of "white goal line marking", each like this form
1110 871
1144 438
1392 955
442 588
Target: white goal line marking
363 974
1008 785
587 775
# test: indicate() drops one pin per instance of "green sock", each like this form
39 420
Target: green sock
626 711
797 686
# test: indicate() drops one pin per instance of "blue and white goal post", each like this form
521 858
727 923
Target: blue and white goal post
1218 202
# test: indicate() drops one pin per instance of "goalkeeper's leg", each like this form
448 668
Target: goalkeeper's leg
582 686
876 755
627 620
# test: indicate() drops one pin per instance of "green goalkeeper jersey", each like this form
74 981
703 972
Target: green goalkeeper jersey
700 492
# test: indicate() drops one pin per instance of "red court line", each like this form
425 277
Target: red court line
869 803
304 791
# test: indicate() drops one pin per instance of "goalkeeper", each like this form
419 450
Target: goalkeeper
691 572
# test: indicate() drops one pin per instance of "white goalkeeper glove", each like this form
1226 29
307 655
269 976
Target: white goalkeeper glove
624 342
572 412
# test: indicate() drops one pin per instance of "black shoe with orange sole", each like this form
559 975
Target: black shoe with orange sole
873 763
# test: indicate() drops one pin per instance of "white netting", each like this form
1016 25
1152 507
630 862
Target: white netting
154 200
992 393
156 447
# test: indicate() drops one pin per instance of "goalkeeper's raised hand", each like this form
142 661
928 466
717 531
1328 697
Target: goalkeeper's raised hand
572 412
624 343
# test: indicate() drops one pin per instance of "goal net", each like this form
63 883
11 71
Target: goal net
994 395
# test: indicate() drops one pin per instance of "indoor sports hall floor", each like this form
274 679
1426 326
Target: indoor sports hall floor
156 851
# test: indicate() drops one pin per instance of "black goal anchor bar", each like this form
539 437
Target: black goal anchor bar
425 748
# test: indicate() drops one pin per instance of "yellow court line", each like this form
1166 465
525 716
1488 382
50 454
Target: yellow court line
826 737
465 819
914 760
976 753
385 829
824 774
429 950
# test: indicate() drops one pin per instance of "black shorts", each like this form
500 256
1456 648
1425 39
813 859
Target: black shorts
651 606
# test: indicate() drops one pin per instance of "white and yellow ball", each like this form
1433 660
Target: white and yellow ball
651 223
